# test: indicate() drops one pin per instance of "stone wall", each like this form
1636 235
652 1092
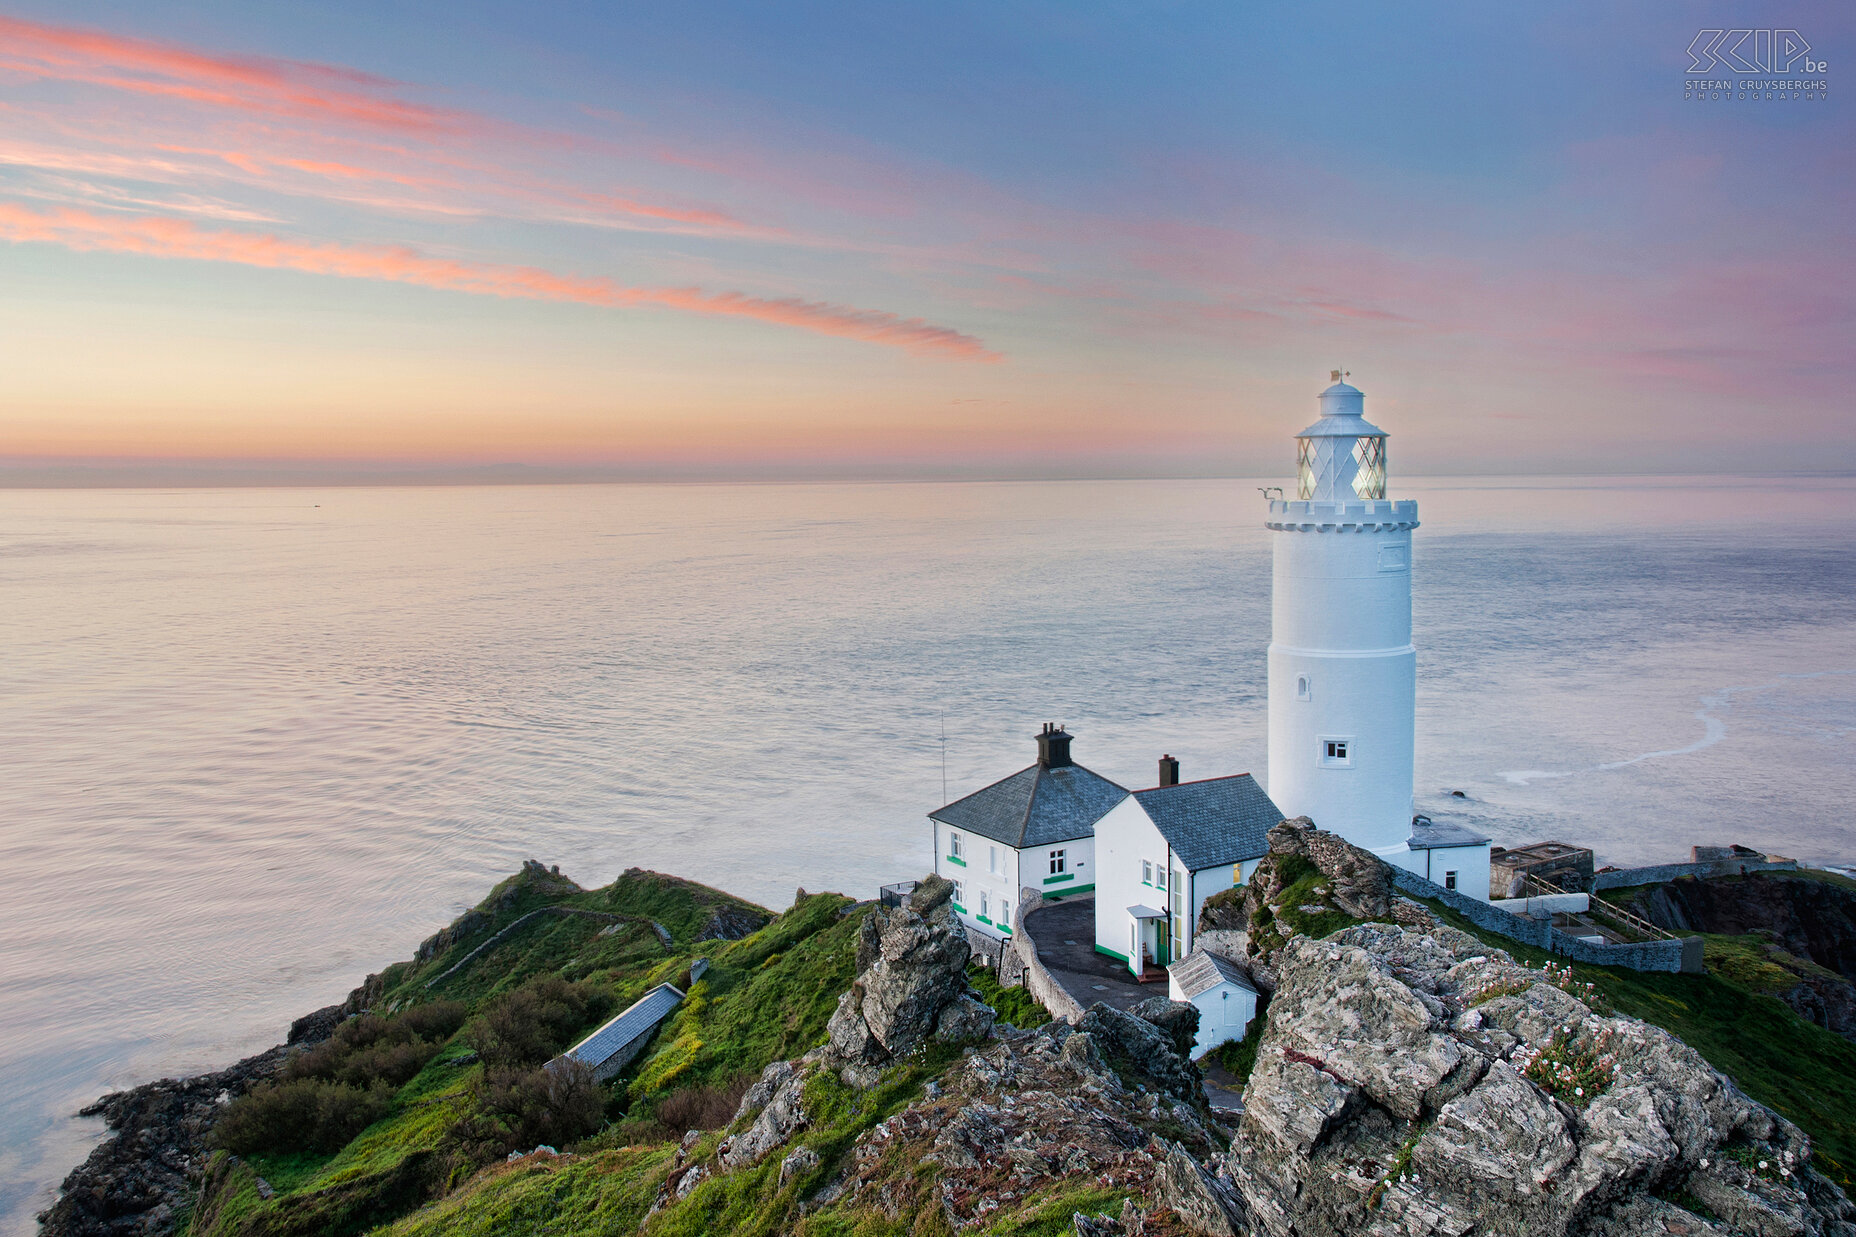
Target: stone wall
1679 955
1032 975
1623 878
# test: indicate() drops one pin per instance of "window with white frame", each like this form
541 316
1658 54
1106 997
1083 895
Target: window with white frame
953 845
992 859
1058 864
960 895
1336 753
1147 872
1304 690
1005 914
1449 880
983 908
1159 878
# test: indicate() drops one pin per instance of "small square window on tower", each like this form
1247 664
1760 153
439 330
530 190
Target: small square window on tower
1337 753
1304 690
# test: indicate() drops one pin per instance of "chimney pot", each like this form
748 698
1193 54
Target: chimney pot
1053 747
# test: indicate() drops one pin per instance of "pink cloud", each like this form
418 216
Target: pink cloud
163 237
244 83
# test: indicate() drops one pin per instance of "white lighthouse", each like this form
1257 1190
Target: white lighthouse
1342 668
1343 672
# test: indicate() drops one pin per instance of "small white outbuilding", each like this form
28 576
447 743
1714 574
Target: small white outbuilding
1224 997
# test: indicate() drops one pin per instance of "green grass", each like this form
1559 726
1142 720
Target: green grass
1013 1005
608 1192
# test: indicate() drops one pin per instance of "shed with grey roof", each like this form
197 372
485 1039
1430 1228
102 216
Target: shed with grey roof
616 1044
1222 993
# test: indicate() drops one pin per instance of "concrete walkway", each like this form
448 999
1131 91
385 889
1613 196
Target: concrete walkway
1066 935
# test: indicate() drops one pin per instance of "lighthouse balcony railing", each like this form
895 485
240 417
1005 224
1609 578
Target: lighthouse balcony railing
1358 511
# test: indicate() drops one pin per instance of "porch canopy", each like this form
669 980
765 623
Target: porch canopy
1146 912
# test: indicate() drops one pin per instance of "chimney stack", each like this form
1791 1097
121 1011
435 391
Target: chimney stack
1169 771
1053 747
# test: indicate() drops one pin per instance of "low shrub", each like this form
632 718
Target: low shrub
517 1109
702 1108
300 1114
369 1048
529 1025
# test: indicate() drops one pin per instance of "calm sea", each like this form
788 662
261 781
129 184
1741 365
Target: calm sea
257 743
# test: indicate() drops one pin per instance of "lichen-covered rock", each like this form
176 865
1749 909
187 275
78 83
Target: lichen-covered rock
963 1020
1140 1046
1205 1204
911 985
797 1164
1177 1020
1417 1082
780 1116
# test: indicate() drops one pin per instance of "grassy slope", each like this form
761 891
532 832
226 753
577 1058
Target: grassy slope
1794 1067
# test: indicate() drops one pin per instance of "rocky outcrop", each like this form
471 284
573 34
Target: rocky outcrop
1150 1048
135 1182
1251 922
732 922
1420 1082
1030 1109
911 984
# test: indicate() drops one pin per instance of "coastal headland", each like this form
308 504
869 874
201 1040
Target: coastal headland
847 1066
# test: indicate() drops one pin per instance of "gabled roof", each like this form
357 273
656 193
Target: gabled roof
1217 821
1035 806
1201 971
639 1018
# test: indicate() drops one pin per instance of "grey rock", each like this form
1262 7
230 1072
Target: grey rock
780 1118
797 1164
1177 1020
1140 1046
1204 1204
963 1020
1391 1095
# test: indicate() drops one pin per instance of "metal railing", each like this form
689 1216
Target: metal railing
896 894
1598 908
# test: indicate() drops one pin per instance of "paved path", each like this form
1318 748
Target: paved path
1066 934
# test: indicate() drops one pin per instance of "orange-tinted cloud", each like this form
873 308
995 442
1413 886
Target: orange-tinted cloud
164 237
244 83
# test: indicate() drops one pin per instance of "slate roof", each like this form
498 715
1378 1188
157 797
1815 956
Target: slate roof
1217 821
1432 836
1201 971
1036 806
639 1018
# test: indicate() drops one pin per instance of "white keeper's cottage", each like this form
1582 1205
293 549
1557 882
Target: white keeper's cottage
1034 829
1161 852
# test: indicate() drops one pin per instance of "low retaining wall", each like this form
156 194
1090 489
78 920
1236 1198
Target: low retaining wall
1546 904
1681 955
1624 878
1031 972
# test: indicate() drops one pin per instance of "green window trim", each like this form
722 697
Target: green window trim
1056 880
1069 891
1003 928
957 859
1103 949
957 906
983 919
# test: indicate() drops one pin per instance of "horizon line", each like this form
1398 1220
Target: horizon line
273 475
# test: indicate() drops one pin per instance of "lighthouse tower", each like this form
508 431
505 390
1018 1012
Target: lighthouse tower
1342 669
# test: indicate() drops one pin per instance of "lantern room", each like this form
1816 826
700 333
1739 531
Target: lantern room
1341 456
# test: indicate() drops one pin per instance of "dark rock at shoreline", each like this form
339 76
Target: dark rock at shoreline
135 1181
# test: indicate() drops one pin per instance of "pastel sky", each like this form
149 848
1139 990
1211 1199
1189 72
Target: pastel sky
962 239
